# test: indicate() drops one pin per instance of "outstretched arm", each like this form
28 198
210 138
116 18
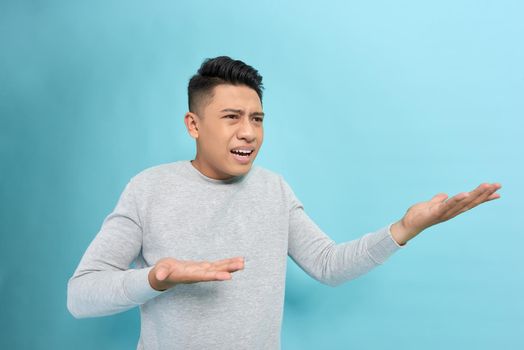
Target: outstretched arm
334 264
439 209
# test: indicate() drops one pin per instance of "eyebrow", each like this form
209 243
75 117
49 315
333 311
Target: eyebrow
241 112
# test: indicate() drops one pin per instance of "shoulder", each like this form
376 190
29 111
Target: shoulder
274 185
158 174
272 179
160 169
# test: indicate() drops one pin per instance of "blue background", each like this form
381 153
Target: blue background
371 107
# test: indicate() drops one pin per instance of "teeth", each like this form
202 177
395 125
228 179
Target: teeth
242 152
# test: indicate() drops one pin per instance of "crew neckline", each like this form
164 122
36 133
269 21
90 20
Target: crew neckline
232 180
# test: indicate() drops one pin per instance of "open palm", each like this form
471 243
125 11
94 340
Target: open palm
441 208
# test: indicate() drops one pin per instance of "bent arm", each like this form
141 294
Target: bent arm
103 284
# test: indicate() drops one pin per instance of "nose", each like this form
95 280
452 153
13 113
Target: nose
246 131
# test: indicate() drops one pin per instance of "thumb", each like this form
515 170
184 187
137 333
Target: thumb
439 198
161 272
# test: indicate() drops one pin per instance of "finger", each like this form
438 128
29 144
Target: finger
203 271
230 265
475 197
228 261
485 191
217 276
206 276
494 196
162 273
204 265
453 201
439 198
454 204
485 197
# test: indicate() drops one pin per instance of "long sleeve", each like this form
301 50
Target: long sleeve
332 263
103 283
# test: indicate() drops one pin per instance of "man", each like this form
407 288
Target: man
189 226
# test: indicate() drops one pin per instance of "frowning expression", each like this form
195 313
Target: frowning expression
228 131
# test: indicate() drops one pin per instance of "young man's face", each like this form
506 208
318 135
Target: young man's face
228 131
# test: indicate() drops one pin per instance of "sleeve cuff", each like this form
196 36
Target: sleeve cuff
381 245
137 287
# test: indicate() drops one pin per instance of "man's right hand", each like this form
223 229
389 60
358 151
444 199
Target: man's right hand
169 272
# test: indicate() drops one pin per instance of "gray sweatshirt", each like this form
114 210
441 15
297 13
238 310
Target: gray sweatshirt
173 210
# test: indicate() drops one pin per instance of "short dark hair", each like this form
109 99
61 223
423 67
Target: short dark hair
217 71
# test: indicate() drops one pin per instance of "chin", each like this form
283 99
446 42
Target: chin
241 171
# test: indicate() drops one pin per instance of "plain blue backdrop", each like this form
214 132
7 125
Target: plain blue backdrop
371 107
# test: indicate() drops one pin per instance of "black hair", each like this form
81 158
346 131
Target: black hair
217 71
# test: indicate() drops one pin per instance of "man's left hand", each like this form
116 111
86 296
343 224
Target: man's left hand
425 214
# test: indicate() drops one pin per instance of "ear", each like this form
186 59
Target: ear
191 120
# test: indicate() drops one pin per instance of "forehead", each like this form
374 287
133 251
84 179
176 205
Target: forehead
234 96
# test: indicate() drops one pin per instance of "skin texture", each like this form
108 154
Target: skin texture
232 117
169 272
439 209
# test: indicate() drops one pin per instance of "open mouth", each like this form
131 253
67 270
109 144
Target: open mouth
242 153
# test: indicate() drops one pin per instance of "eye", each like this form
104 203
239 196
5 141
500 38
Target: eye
258 119
231 116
